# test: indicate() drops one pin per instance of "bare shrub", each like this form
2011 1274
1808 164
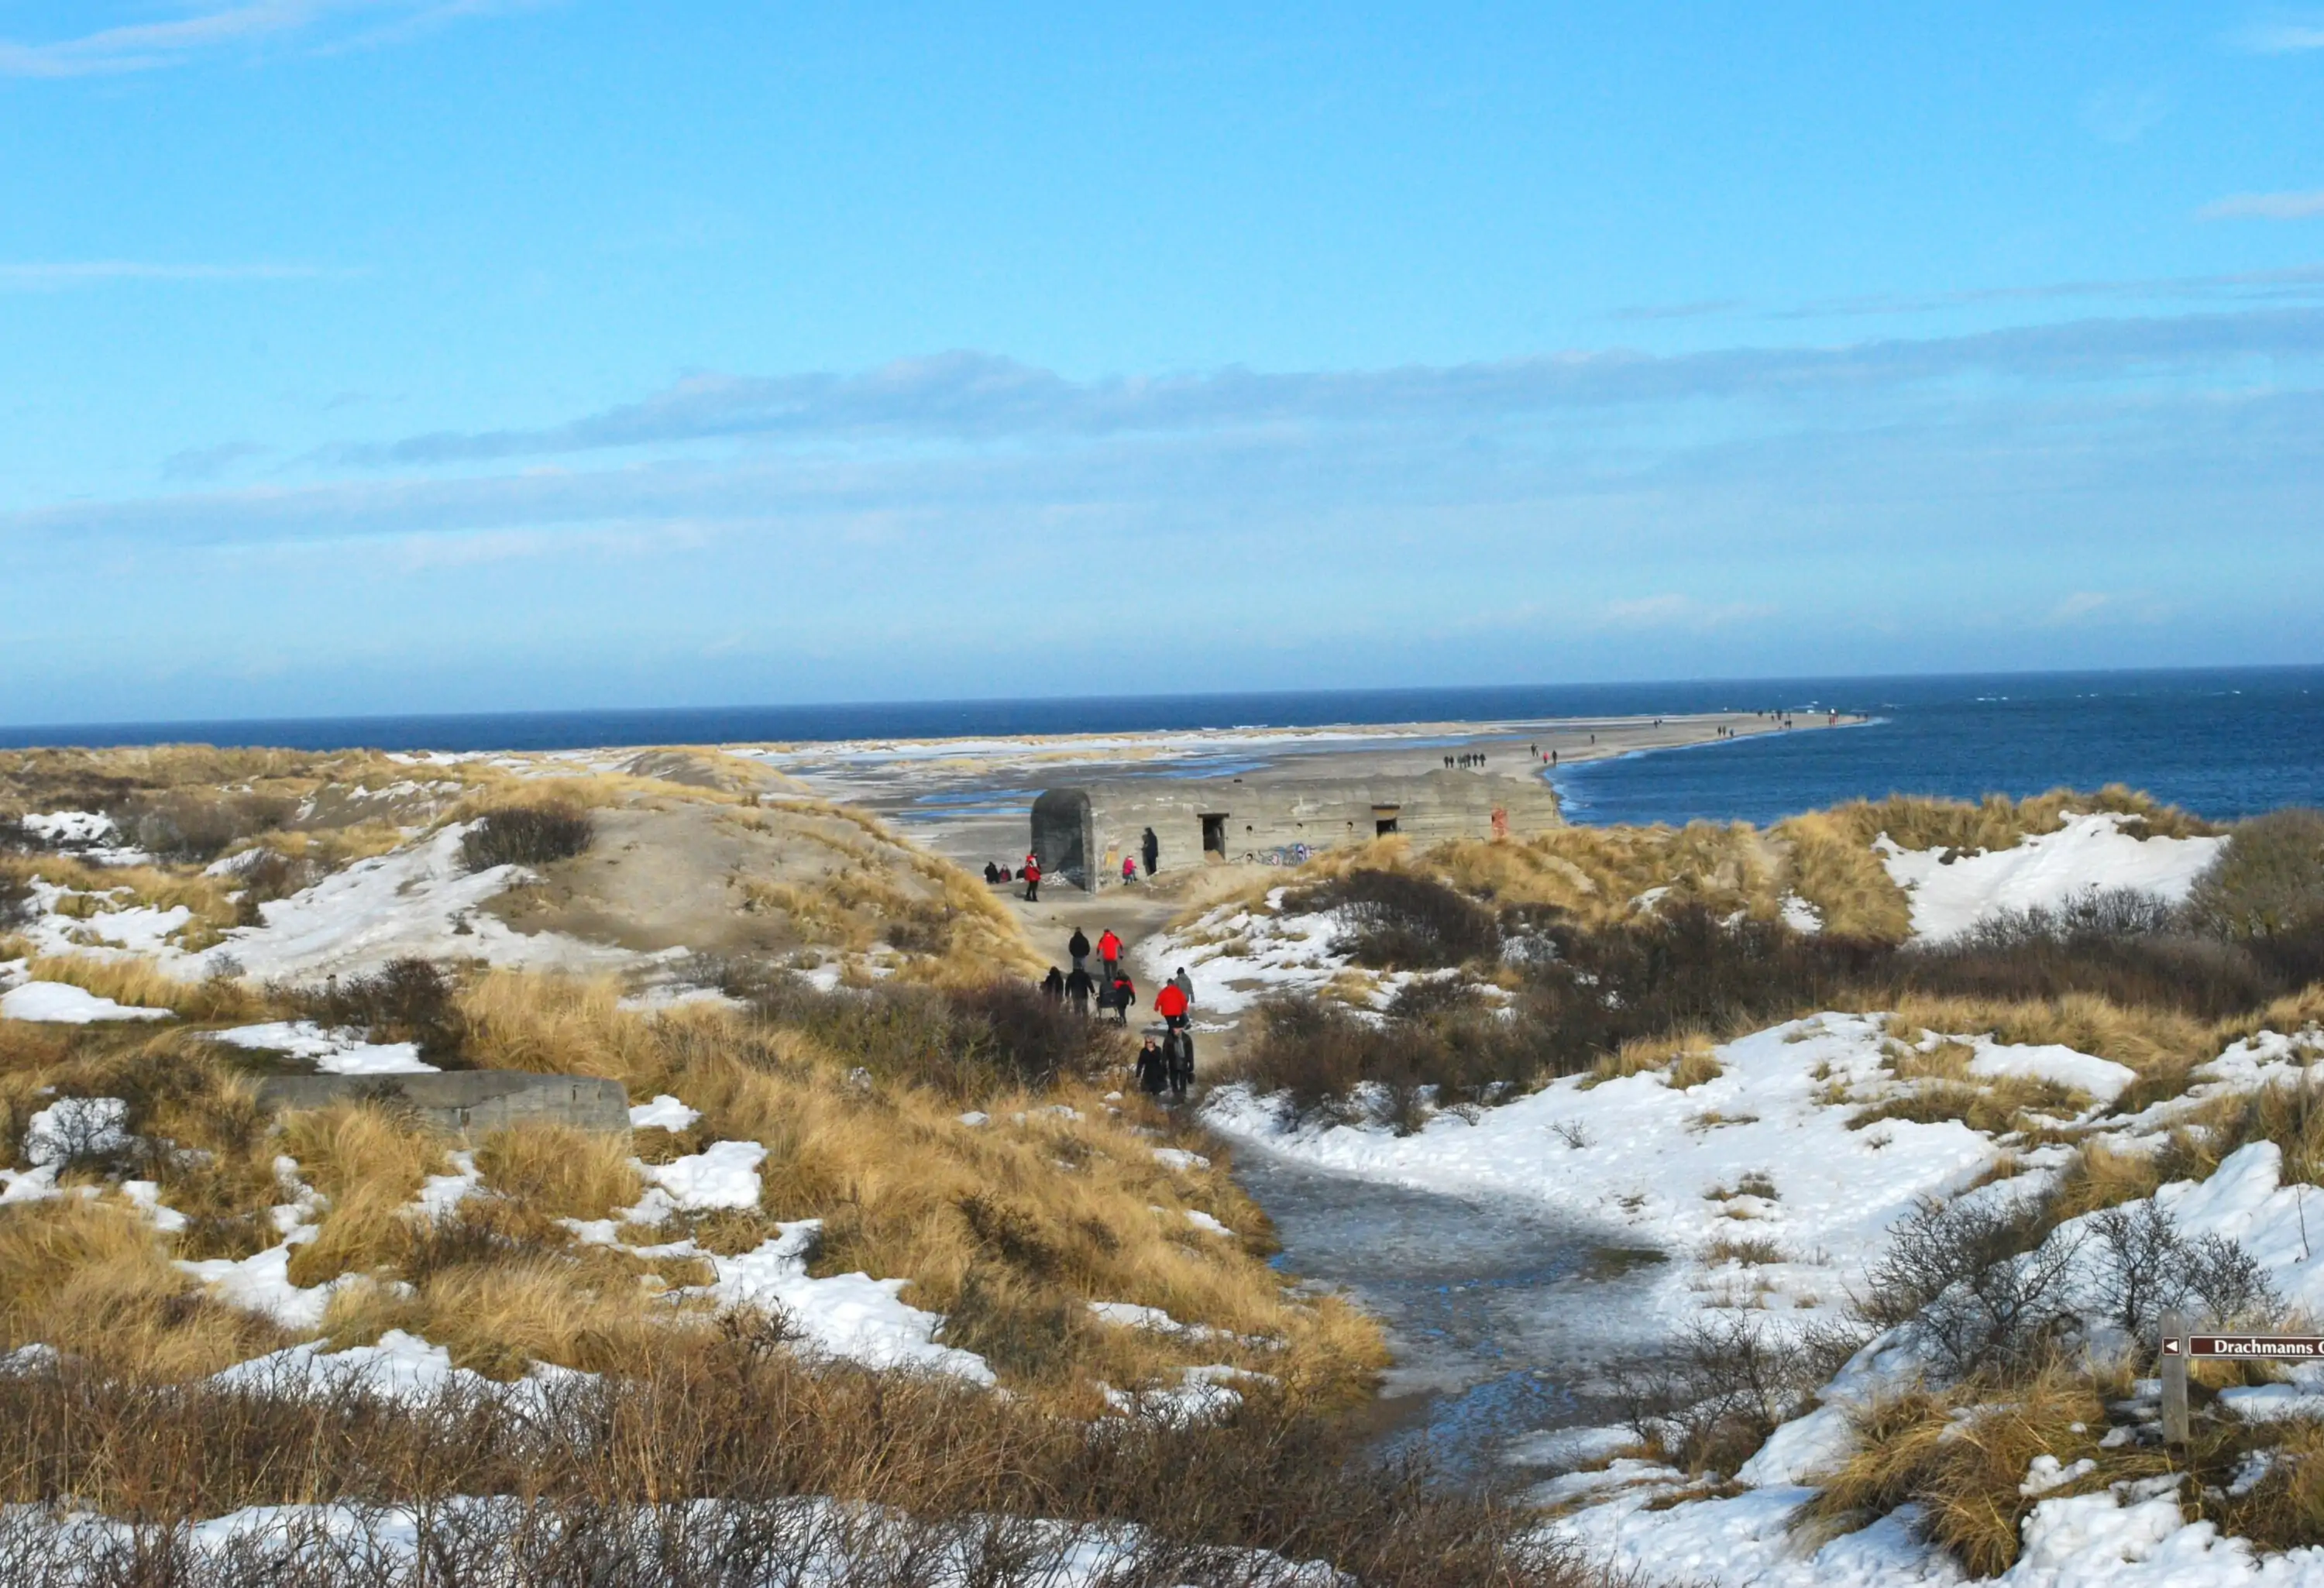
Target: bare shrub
2231 1285
1397 920
2268 880
198 824
406 999
2145 1265
2089 913
527 835
1981 1284
967 1041
1712 1399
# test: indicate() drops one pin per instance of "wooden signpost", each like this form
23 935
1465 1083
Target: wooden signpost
2179 1348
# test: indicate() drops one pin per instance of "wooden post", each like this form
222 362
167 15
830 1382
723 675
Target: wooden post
2174 1379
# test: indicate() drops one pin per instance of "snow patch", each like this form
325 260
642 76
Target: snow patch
62 1003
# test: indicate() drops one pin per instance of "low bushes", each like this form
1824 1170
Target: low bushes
717 1414
195 824
527 835
405 1001
1399 920
2268 881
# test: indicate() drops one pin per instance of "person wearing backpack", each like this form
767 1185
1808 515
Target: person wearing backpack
1125 993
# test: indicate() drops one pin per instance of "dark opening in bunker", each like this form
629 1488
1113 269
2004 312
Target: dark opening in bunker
1214 834
1384 818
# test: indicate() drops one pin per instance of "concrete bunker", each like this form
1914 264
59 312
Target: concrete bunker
1064 838
1082 834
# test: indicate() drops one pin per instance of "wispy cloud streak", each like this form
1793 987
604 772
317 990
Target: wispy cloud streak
2282 38
2265 206
983 397
150 46
55 275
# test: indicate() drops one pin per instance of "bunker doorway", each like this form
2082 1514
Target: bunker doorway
1214 835
1384 819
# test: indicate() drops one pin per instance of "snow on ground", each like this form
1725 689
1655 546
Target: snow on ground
1201 1395
1236 956
724 1174
62 1003
114 928
665 1112
331 1052
74 828
1677 1166
415 901
1950 893
852 1316
400 1367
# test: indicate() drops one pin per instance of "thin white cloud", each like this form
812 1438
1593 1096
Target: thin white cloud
2282 38
2081 604
55 275
2304 206
150 46
1679 612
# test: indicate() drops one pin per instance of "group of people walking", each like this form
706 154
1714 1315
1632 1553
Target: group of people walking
1166 1066
1467 761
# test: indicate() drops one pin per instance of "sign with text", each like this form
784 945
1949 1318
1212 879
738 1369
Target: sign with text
2251 1347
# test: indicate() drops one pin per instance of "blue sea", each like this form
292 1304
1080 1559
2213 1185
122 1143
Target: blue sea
2224 743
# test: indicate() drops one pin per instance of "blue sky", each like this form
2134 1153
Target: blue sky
367 355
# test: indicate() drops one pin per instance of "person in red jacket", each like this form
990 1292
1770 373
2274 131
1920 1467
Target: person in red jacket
1109 953
1177 1041
1124 995
1032 876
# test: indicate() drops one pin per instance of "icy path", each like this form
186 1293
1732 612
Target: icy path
1499 1310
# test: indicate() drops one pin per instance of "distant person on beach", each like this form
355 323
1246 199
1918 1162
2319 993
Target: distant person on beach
991 873
1077 948
1153 1069
1032 876
1078 988
1109 952
1151 846
1553 758
1052 985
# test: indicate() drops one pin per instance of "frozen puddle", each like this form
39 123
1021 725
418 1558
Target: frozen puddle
1500 1314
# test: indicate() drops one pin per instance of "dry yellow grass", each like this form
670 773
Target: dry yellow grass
1686 1051
371 1163
1962 1455
2158 1043
560 1171
91 1279
137 983
984 1222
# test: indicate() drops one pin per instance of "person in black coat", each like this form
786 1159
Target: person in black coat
1078 988
1153 1069
1052 985
1152 848
993 873
1077 948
